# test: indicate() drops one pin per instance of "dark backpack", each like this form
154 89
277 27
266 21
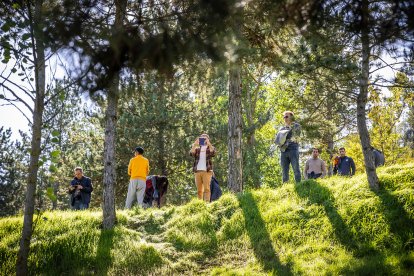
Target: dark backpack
215 189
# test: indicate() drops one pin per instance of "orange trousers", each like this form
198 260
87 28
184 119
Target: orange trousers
202 180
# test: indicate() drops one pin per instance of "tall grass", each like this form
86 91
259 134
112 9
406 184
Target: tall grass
325 227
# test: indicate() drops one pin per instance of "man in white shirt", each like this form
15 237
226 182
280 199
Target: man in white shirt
314 166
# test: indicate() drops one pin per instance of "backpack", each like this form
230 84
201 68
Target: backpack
215 189
281 139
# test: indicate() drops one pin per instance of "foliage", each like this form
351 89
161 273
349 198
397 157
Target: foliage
332 226
73 137
385 114
165 115
11 174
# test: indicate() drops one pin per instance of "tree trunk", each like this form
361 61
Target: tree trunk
40 80
109 179
362 101
235 131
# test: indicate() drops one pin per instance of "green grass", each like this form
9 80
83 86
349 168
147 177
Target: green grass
336 226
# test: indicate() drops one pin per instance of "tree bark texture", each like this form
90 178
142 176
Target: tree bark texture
235 177
40 84
362 101
109 179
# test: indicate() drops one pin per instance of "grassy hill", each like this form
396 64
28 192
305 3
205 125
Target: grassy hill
333 226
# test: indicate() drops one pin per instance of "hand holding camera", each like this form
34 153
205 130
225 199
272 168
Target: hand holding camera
201 141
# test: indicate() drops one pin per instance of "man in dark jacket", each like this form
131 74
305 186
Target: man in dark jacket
345 165
80 190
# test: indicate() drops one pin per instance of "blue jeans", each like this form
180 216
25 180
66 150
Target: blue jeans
78 205
290 156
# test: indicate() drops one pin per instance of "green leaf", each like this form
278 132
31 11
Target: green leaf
26 36
14 70
55 140
6 27
50 194
52 169
55 153
16 6
55 133
40 163
6 55
55 160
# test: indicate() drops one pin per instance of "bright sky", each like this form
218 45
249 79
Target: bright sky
10 116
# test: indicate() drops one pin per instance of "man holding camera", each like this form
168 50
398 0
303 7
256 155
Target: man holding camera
80 190
202 151
314 166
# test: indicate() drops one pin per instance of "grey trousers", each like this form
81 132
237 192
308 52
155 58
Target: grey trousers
136 188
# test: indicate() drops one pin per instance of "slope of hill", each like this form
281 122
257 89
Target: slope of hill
332 226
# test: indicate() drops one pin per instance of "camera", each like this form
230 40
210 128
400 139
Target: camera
201 141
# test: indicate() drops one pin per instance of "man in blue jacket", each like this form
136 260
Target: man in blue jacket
80 190
345 165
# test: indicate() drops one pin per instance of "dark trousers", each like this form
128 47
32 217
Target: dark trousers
79 205
290 157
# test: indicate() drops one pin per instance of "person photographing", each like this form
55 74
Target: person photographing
288 141
80 190
202 150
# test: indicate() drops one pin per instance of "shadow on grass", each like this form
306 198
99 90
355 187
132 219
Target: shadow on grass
259 237
319 195
397 217
103 252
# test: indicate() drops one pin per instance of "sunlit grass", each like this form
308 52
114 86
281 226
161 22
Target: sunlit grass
334 226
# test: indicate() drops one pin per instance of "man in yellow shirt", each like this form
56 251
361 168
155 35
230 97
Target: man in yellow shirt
138 169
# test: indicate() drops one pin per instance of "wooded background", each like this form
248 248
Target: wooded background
156 74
